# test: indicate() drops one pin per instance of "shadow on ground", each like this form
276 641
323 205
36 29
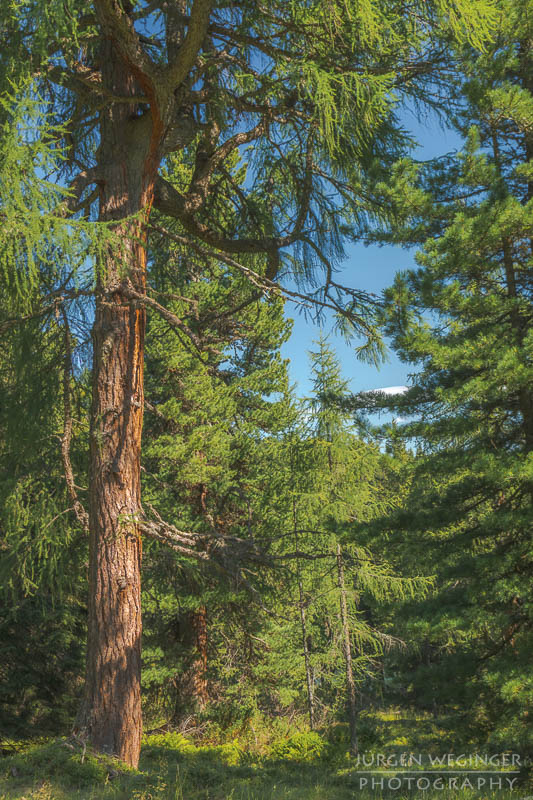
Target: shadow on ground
173 768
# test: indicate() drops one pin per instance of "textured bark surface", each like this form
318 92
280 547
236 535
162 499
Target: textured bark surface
192 685
199 629
110 717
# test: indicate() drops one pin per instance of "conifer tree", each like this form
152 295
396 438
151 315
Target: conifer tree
464 318
311 89
210 404
330 485
42 411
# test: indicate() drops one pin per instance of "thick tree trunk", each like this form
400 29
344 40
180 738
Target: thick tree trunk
347 646
110 717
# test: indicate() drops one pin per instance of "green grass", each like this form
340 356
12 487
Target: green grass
300 767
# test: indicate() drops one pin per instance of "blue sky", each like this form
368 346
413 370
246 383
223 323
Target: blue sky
372 269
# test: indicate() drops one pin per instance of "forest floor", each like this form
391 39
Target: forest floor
298 766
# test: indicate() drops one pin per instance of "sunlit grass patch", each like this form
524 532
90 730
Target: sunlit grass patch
301 766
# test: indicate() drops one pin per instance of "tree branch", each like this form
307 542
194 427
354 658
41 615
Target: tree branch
170 202
167 315
175 73
71 204
179 541
265 284
58 296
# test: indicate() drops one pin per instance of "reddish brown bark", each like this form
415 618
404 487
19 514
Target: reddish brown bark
192 686
110 718
199 630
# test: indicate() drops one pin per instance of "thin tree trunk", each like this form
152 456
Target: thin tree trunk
347 646
199 630
303 622
195 680
110 717
192 686
308 668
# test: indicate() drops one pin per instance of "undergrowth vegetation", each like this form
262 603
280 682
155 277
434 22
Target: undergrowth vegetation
280 762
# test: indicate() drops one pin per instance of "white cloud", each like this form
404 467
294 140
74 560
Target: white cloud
389 390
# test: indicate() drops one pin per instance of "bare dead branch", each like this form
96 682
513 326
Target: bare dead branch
179 541
51 304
